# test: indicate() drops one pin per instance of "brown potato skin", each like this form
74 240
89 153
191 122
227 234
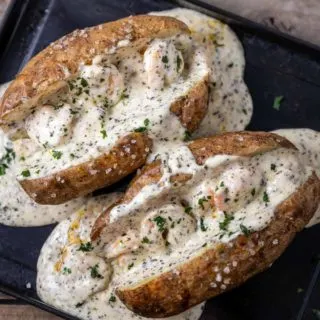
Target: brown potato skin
174 292
241 143
192 108
190 283
78 180
49 70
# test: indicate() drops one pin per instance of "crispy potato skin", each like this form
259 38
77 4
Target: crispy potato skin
49 70
191 109
123 158
190 283
242 143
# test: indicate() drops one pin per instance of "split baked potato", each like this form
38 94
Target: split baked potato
208 232
83 101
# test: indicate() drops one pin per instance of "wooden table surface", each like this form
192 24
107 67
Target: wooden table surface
297 17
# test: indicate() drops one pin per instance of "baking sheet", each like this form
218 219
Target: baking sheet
276 66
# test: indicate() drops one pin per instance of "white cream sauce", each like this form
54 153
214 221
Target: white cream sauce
308 143
100 113
134 91
79 283
230 105
16 207
226 197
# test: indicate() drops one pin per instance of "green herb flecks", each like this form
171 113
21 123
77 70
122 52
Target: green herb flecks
144 128
161 222
86 247
112 298
265 197
179 62
224 225
104 134
146 240
203 227
25 173
245 230
165 59
202 200
66 271
277 102
187 136
56 154
6 160
95 273
84 82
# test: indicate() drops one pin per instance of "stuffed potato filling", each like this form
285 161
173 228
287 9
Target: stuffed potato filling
226 197
111 98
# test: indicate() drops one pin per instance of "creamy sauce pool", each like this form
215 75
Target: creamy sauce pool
308 143
230 105
16 207
80 287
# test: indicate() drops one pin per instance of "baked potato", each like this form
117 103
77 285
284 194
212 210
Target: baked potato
96 100
184 237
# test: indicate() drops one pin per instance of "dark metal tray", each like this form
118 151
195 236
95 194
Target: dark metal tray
276 65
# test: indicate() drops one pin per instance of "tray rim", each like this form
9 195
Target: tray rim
198 5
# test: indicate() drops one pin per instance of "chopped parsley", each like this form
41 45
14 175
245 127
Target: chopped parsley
25 173
188 210
179 61
265 197
86 247
66 271
203 227
103 133
130 265
253 192
80 304
124 95
56 154
106 103
222 184
95 273
165 59
187 136
245 230
161 222
226 222
145 240
84 82
144 128
71 85
201 202
6 160
112 298
277 102
273 167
